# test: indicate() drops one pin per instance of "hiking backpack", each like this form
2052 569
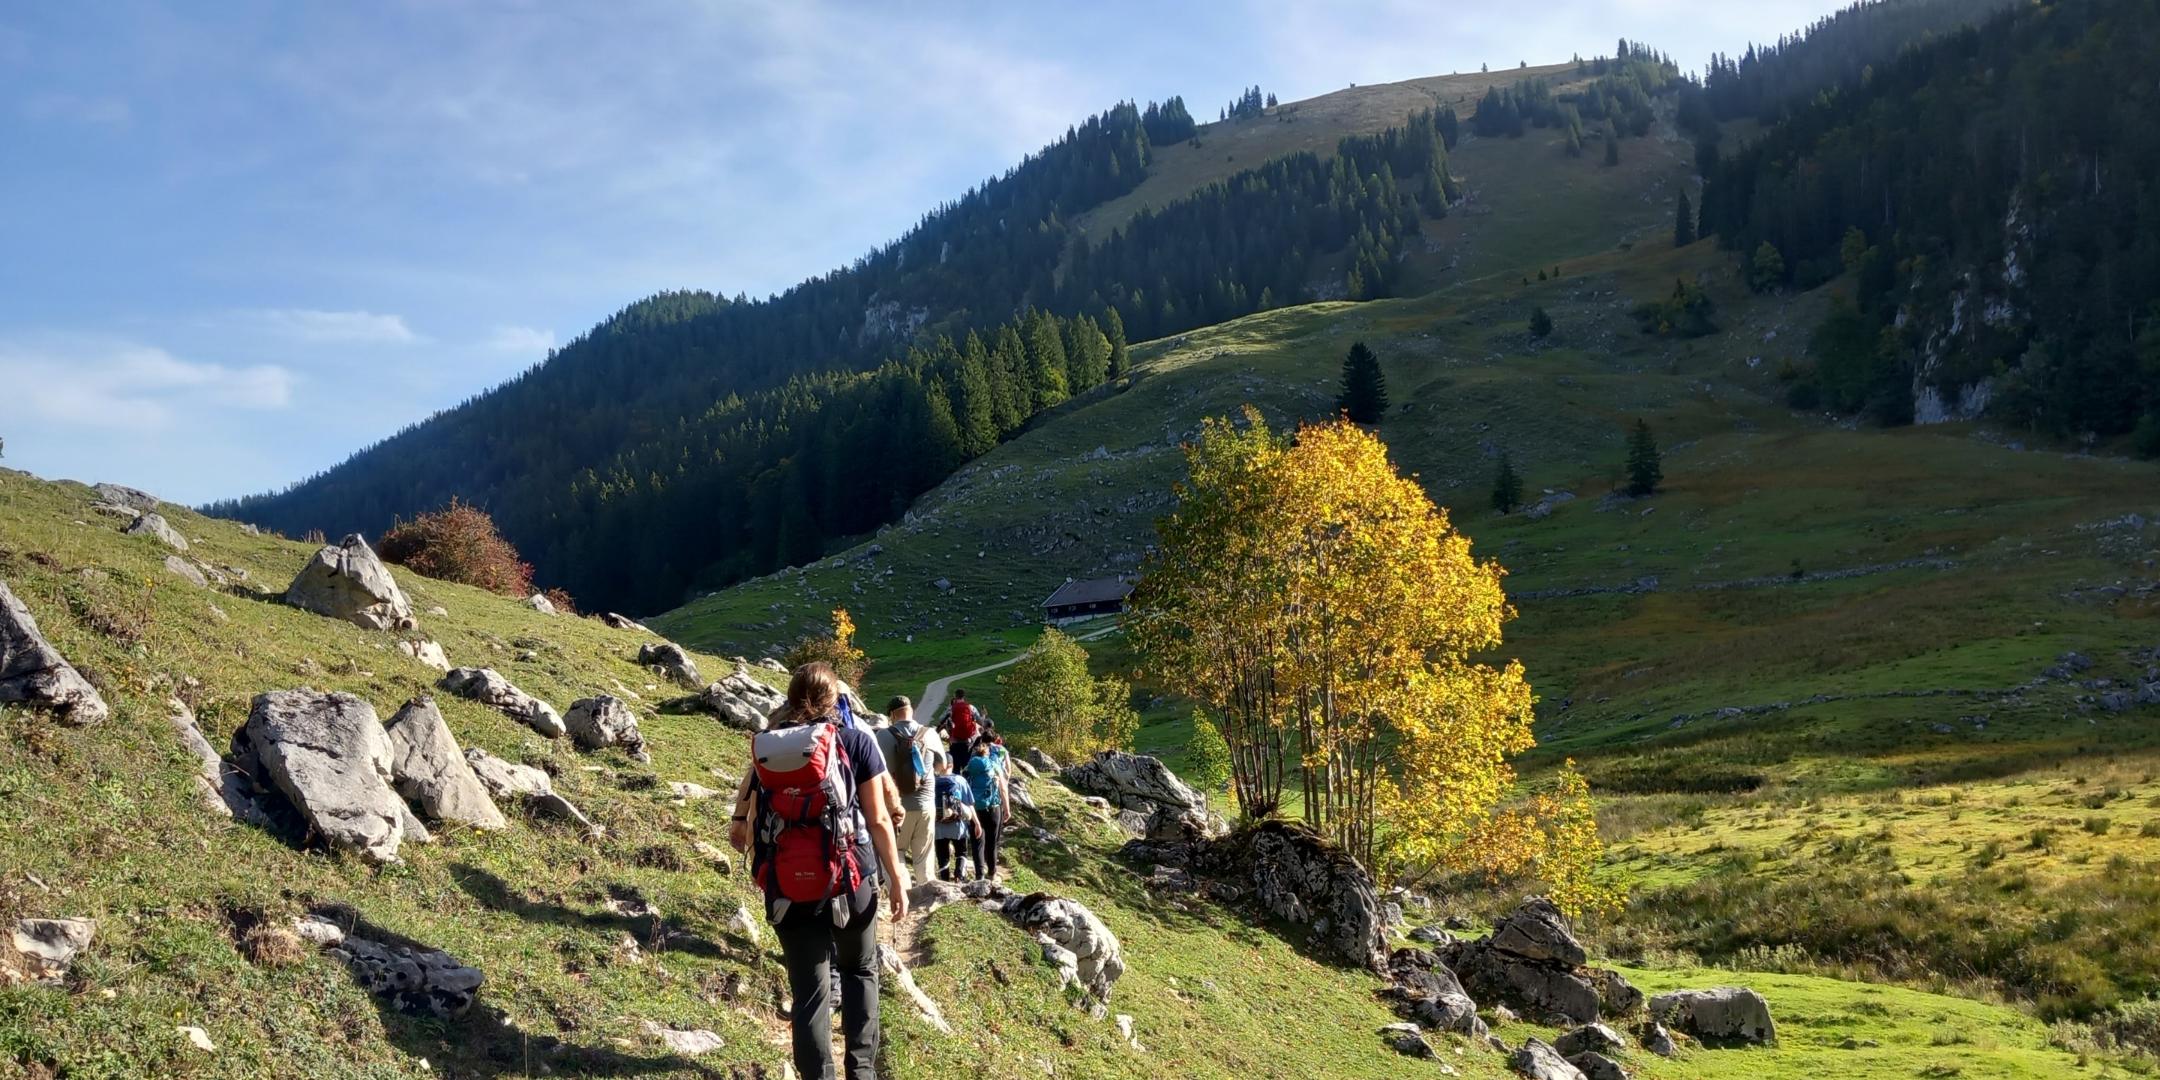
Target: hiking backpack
805 846
909 772
963 721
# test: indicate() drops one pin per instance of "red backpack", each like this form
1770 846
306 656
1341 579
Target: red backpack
963 721
805 847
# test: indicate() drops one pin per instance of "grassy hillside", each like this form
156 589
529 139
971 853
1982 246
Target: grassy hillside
1810 615
1316 125
105 826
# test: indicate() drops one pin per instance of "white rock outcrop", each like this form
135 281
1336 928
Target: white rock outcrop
488 687
347 581
329 754
32 672
427 767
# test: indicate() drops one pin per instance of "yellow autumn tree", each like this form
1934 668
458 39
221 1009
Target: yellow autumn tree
1320 604
837 649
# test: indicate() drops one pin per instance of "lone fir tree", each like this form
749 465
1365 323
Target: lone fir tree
1540 323
1683 229
1364 389
1506 487
1644 469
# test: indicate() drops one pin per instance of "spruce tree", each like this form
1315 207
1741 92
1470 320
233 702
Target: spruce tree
1364 388
1612 144
1644 468
1507 487
1683 229
1540 323
1113 325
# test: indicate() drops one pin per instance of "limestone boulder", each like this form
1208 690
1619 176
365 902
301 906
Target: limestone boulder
427 768
672 662
1540 990
1539 1061
741 701
507 780
136 499
154 525
329 754
1098 959
1722 1014
428 653
488 687
1422 989
605 720
347 581
46 948
34 673
540 603
186 571
616 621
1134 781
221 786
1302 879
1536 930
414 980
1601 1038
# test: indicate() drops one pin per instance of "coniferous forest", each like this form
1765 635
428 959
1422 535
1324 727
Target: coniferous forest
672 447
1990 193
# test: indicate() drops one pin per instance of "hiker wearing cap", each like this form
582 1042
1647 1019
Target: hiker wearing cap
814 817
908 754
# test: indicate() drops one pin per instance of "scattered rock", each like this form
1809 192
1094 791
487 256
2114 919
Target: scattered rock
1098 959
1431 935
1537 931
487 687
713 856
34 673
427 767
741 701
428 653
692 1043
672 661
223 787
615 621
684 789
1659 1041
136 499
1720 1014
438 610
415 980
893 964
1424 990
46 948
347 581
154 524
1407 1039
603 721
186 571
505 780
198 1038
330 756
1601 1038
1596 1066
1539 1061
1040 760
540 603
1300 878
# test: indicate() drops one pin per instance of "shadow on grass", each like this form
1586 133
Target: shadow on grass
486 1043
649 928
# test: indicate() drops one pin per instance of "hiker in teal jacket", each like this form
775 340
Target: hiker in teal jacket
993 807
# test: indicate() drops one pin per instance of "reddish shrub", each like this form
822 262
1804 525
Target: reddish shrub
560 597
458 543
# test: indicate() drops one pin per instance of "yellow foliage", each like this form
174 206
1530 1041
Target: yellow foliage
1320 604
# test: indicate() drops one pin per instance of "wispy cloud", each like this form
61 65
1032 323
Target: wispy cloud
106 383
313 327
520 339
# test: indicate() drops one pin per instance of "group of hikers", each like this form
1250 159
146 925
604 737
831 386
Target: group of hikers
836 805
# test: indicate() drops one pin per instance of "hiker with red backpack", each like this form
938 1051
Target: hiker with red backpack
814 817
962 726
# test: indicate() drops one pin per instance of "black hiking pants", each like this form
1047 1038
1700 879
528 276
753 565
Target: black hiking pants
951 856
812 946
990 831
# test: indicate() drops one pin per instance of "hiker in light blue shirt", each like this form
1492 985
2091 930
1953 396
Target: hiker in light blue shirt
993 807
955 820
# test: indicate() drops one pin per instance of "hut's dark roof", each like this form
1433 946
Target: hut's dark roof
1092 591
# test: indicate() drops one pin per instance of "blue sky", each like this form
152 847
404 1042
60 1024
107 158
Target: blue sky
240 240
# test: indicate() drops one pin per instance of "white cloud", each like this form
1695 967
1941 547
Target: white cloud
521 339
314 327
86 382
